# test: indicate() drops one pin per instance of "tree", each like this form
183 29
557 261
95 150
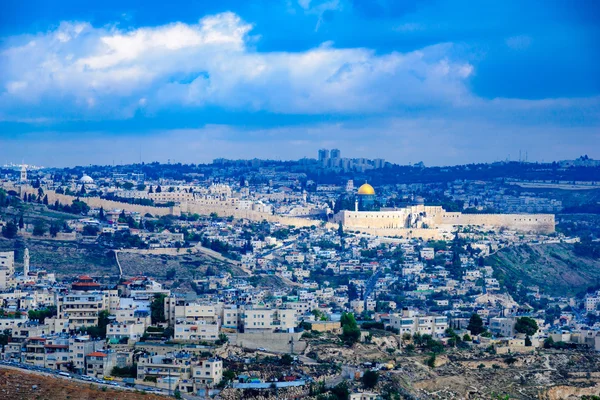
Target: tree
21 222
341 391
350 329
431 361
54 229
39 228
158 189
101 215
476 325
526 325
370 379
4 338
171 274
10 230
527 341
41 314
90 230
45 201
157 309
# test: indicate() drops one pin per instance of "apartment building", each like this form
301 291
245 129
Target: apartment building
502 326
7 270
410 321
81 308
208 372
188 330
180 308
269 320
99 364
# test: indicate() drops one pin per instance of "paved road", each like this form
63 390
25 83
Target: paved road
75 377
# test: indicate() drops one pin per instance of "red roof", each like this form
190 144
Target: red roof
97 354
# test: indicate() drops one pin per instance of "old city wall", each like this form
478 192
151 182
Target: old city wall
406 233
221 208
224 210
539 223
97 202
397 220
373 220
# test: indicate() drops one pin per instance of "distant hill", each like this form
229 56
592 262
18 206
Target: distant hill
558 269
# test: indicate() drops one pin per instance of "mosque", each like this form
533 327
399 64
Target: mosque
365 198
431 222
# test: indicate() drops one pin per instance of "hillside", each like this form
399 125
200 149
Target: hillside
19 385
555 268
63 257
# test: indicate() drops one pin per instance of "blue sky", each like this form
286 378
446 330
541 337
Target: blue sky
441 81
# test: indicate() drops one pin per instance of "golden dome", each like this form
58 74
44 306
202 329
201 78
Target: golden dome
366 189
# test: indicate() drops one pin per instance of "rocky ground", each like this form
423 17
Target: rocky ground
63 258
18 385
186 265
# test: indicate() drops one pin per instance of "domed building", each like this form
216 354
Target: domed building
365 198
86 180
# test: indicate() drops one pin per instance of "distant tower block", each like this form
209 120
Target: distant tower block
23 174
26 262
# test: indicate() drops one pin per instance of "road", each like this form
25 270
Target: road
370 285
79 378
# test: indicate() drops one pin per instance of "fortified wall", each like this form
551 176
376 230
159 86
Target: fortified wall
536 223
418 220
222 208
97 202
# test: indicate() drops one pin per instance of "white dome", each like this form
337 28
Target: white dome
86 179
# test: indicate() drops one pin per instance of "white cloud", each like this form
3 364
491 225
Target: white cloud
106 71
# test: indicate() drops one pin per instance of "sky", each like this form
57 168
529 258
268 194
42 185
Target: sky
440 81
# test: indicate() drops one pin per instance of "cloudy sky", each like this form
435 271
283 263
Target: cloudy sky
439 81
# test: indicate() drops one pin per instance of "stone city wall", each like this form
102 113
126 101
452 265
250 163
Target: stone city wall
405 233
97 202
222 208
539 223
431 217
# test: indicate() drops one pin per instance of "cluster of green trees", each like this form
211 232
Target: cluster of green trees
129 371
42 314
98 331
77 207
10 230
350 329
157 309
224 248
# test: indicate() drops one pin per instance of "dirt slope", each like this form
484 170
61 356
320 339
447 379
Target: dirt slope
17 385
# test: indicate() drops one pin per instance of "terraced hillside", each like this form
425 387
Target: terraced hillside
556 268
63 257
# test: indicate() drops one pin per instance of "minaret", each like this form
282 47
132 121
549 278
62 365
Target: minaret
26 263
355 204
